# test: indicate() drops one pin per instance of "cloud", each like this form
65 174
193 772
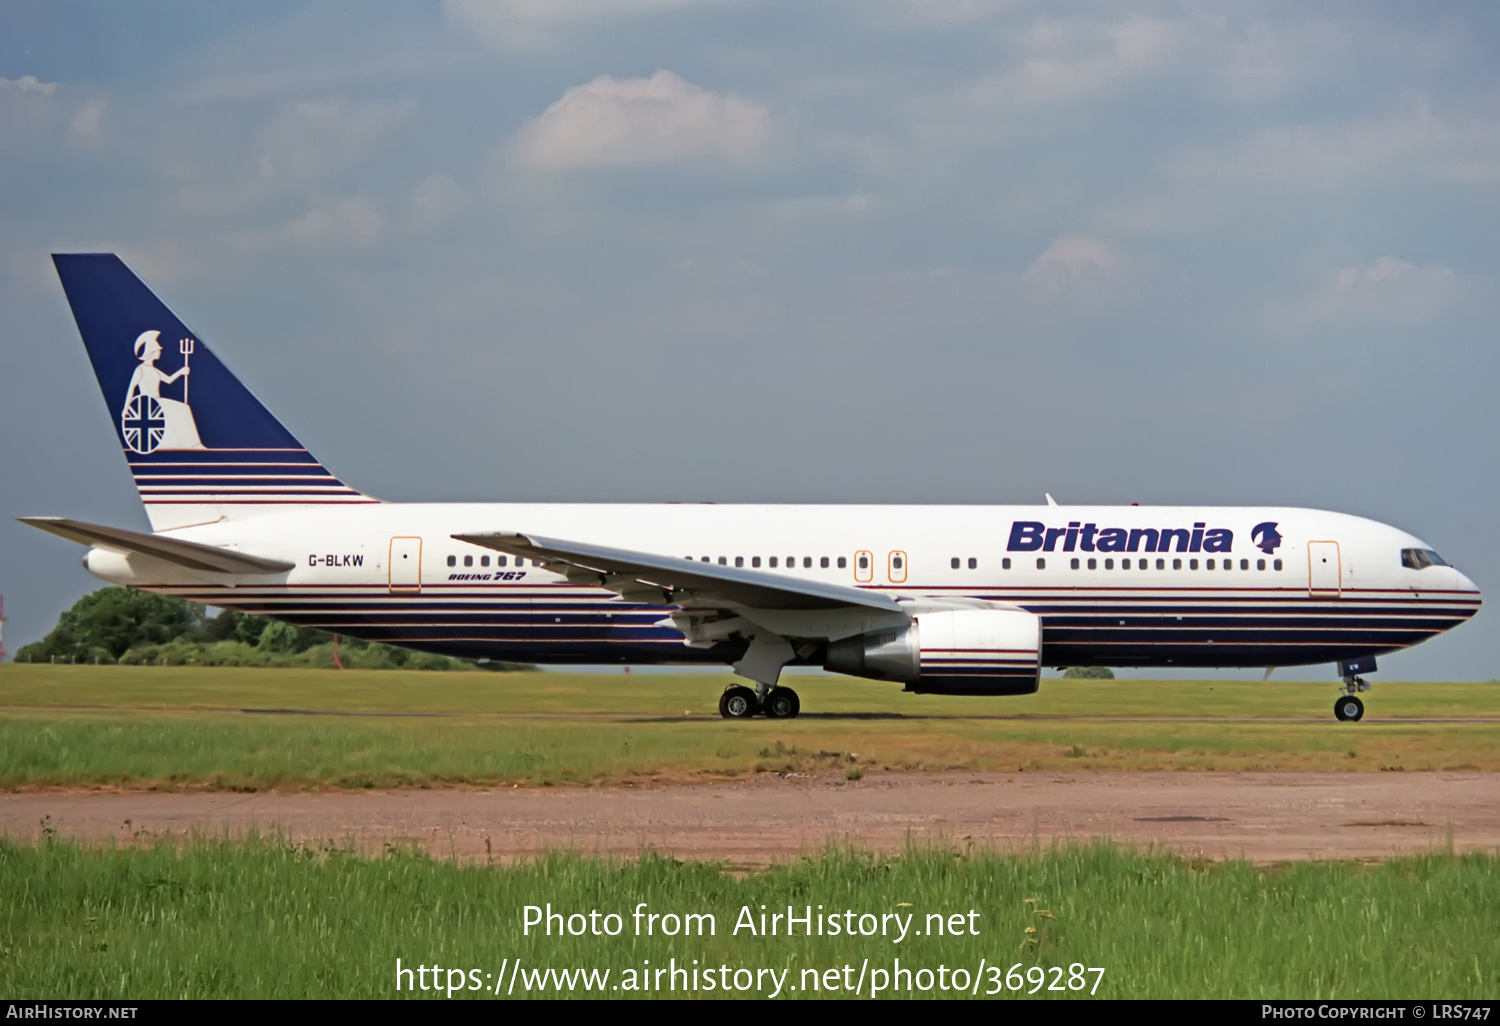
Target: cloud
1074 267
302 144
309 138
28 84
625 122
435 201
514 24
939 14
86 126
1391 290
1263 63
1069 60
1409 137
347 222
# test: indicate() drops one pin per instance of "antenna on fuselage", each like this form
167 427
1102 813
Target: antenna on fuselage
1050 500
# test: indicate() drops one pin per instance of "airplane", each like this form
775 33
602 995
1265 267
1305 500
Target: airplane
947 600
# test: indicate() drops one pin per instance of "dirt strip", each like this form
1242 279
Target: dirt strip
1266 817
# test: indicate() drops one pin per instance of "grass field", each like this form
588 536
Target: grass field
263 919
250 729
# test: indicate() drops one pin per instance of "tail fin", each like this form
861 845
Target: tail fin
200 446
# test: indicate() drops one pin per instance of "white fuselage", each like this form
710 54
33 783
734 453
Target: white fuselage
1125 586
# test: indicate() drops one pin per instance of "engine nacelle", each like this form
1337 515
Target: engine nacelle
950 652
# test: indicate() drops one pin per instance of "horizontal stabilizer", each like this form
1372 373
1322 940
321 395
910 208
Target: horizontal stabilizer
734 584
192 555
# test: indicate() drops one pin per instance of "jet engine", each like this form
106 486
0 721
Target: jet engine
950 652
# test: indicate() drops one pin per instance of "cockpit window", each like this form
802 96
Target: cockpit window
1421 559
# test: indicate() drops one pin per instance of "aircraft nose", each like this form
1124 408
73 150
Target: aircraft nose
1464 584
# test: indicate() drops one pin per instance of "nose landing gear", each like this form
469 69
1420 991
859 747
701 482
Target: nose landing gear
1348 708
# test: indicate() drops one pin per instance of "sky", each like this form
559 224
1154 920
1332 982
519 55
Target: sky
910 251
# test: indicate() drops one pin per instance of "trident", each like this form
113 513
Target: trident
185 347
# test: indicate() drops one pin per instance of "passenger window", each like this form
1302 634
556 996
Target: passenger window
1228 564
1192 564
1176 564
1260 564
1208 563
1276 565
897 562
484 560
1244 564
807 562
1109 564
520 561
755 561
706 559
468 561
791 561
1005 563
739 560
1142 564
823 562
1124 564
1074 563
953 562
500 560
1093 564
843 562
1041 563
723 561
773 562
973 563
453 561
864 562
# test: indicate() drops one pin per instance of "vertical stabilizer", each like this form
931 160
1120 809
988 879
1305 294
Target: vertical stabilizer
200 446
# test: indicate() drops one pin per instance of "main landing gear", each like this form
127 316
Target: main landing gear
740 703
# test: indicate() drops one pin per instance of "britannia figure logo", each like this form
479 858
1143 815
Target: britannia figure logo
149 421
1265 537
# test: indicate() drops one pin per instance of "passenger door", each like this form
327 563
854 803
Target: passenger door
405 567
864 567
1324 571
896 567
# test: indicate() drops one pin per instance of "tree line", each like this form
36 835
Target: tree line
128 627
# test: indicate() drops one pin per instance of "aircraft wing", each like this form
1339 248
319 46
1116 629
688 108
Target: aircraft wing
192 555
634 574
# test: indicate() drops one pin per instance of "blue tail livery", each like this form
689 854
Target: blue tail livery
200 446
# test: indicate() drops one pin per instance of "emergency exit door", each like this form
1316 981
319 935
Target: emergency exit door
405 566
1324 570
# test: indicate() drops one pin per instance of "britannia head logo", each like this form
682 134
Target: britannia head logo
1265 536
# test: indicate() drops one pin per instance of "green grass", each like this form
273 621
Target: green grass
264 919
145 727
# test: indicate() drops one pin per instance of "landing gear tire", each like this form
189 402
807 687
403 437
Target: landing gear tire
782 704
1348 708
738 703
